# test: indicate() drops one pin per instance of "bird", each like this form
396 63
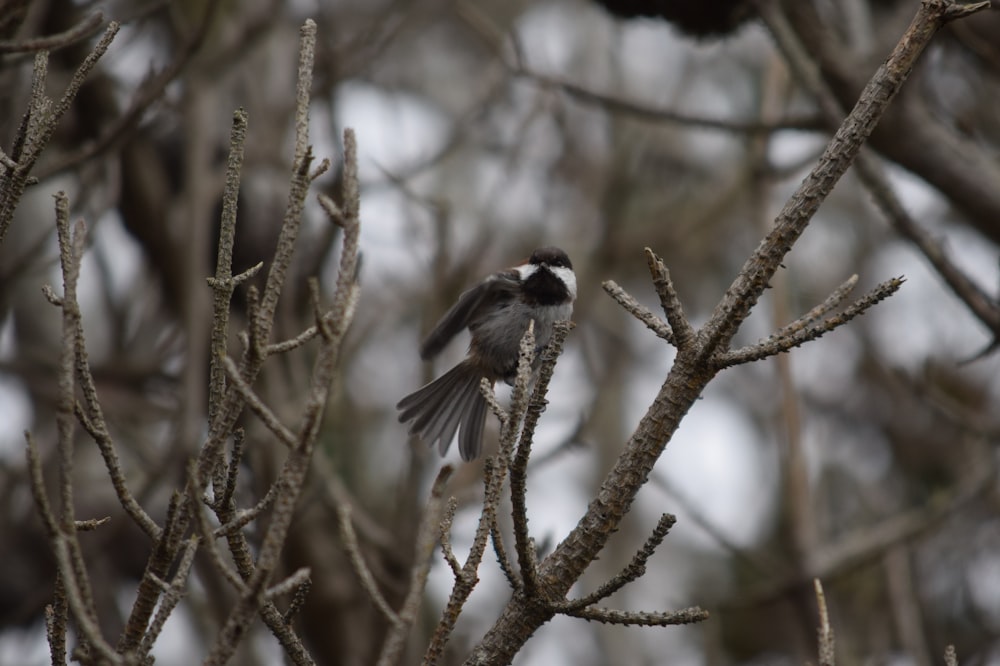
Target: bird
497 312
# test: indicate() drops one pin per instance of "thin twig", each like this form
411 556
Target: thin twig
172 596
246 516
536 402
208 537
256 405
56 615
639 311
91 524
466 576
633 571
222 284
55 623
682 331
350 541
294 582
825 631
640 618
59 40
299 186
82 608
523 547
40 124
444 536
76 578
832 301
98 430
161 559
229 485
506 564
426 539
298 601
70 253
778 345
38 493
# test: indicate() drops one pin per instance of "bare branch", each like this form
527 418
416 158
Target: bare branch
293 474
489 394
444 535
691 372
832 301
98 429
523 546
78 32
394 643
222 284
838 156
56 619
350 541
165 548
872 174
635 570
172 596
683 333
296 581
639 618
298 600
38 487
70 253
299 186
91 524
39 124
826 640
466 576
777 345
81 601
262 312
208 536
639 311
256 405
246 516
506 564
149 93
229 483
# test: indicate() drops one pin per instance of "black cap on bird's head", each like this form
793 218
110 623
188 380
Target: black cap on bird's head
550 256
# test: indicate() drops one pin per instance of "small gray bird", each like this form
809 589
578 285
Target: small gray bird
496 312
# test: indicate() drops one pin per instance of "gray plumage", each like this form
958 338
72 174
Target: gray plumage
496 312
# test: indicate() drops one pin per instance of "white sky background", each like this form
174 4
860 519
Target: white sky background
716 456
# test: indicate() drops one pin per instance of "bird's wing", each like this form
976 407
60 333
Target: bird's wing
502 286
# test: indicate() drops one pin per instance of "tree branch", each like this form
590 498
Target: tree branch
692 370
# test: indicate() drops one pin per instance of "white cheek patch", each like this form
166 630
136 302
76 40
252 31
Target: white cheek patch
526 270
568 276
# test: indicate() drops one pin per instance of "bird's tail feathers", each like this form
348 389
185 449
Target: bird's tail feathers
450 403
